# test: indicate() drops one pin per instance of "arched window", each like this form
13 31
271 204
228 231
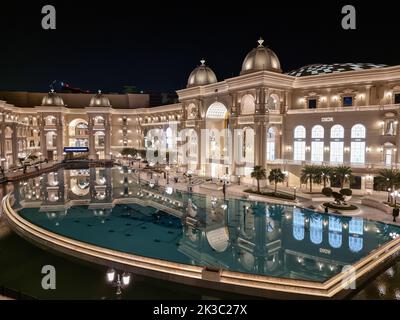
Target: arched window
273 102
299 150
316 230
337 136
317 144
169 138
298 224
191 111
248 105
271 136
358 135
50 121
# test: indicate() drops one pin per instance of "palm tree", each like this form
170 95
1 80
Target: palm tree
259 173
309 174
326 173
344 174
388 178
276 176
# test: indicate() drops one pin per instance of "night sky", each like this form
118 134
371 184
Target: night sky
154 45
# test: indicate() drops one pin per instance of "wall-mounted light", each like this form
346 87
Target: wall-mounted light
326 149
346 149
368 149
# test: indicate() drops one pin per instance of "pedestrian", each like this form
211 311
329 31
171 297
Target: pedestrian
395 213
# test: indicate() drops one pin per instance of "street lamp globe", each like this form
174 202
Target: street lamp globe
126 279
110 275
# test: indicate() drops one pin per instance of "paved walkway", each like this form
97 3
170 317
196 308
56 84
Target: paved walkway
304 199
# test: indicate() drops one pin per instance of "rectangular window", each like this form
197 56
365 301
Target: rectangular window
317 151
337 151
270 151
388 157
357 152
312 104
397 98
299 151
347 101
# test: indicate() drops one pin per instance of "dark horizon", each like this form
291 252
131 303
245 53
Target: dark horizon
155 47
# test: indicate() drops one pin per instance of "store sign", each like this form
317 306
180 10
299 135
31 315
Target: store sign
76 149
327 120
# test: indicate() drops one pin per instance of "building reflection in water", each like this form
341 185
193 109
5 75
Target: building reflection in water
237 235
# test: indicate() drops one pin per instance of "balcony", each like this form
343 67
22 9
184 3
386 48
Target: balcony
369 166
389 107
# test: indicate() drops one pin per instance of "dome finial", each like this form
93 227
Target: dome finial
260 42
203 62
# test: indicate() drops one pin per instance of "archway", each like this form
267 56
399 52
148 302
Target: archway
247 105
217 144
78 133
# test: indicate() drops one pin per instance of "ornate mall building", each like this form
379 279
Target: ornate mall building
321 114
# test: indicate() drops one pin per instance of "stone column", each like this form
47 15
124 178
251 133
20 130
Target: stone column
60 138
258 142
43 145
92 148
14 142
2 141
368 96
107 140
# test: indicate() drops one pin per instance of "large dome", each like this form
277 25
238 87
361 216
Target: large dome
52 99
201 76
261 58
99 100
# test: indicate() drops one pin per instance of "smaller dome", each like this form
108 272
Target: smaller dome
52 99
201 76
261 58
99 100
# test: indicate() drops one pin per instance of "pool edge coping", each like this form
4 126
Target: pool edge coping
303 288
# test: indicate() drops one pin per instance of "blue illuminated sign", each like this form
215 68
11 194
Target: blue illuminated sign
76 149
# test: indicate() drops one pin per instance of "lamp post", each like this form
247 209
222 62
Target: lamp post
394 195
294 190
167 169
118 280
388 191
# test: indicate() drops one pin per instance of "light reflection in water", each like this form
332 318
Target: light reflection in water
238 235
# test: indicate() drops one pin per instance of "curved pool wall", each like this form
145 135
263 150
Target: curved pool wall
108 208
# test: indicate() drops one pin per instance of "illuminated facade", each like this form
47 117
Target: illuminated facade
320 114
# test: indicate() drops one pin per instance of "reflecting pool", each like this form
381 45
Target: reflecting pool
113 208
